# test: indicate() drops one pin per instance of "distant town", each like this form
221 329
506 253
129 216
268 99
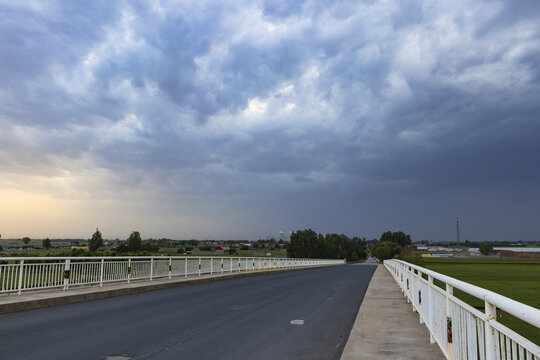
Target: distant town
262 247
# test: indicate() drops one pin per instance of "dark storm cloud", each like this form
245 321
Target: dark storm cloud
248 102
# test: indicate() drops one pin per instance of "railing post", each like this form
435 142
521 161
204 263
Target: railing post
414 292
419 291
185 267
489 331
222 265
231 265
409 285
21 274
199 266
211 265
101 272
151 268
66 275
449 330
430 310
129 270
170 267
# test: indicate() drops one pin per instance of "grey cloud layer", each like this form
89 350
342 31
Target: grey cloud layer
247 102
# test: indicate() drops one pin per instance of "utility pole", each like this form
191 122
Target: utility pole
457 229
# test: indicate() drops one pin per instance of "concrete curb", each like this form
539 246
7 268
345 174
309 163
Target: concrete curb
44 299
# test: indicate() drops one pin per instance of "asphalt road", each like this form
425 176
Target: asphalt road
245 318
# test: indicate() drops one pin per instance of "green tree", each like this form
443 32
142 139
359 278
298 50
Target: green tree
96 241
398 237
309 244
148 246
360 247
486 248
46 243
134 241
304 244
386 250
122 247
26 240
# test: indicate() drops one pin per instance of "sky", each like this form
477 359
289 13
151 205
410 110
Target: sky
238 119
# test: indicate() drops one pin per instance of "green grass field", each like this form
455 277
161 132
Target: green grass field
514 278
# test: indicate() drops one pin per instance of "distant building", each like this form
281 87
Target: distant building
221 249
430 255
518 252
12 247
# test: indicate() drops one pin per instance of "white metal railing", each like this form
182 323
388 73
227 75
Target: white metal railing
460 330
18 274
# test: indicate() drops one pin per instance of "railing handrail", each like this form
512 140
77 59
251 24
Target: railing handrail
19 274
147 257
522 311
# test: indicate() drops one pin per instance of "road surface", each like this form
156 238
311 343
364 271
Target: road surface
244 318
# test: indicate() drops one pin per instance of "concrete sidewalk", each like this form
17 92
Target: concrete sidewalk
54 297
386 327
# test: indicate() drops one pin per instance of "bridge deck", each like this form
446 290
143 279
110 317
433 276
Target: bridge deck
386 327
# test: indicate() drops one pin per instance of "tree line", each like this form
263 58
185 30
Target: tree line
309 244
390 245
134 243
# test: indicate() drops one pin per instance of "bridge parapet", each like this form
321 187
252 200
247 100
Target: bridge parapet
460 330
18 274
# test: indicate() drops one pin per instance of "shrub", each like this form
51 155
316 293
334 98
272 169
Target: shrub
386 250
486 248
